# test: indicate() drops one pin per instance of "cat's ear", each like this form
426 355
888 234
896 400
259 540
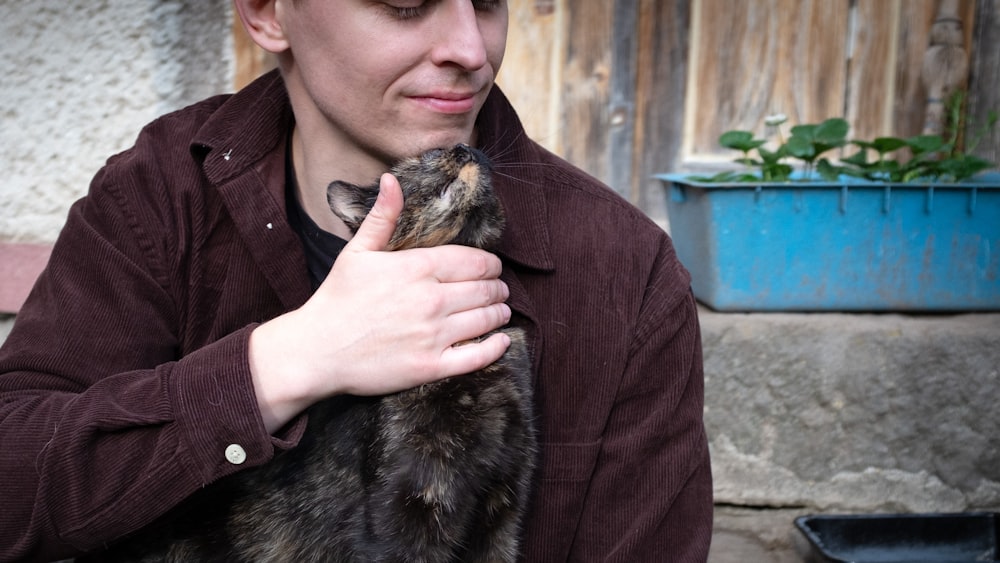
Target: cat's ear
347 202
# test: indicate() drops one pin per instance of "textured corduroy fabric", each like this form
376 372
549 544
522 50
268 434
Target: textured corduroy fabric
125 378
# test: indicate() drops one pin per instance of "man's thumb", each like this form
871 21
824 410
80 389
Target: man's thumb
377 228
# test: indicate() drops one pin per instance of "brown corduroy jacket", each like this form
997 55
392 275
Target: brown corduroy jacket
125 377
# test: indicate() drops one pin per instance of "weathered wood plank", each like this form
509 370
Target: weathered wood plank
871 85
585 85
662 62
984 85
531 73
916 17
622 98
915 20
757 57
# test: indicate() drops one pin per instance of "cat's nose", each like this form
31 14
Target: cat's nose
463 153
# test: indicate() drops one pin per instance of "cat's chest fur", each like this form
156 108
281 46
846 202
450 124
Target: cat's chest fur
439 473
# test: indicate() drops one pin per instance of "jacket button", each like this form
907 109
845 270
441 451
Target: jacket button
235 454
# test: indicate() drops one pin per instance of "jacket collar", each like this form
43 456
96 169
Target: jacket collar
251 129
520 182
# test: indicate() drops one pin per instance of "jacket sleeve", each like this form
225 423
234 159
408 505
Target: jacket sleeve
104 426
650 497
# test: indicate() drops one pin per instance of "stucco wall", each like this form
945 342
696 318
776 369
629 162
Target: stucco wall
79 81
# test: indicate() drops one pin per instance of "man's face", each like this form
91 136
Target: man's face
388 79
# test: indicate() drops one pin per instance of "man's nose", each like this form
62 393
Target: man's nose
459 40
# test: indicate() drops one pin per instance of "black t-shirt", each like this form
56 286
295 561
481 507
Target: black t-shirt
321 247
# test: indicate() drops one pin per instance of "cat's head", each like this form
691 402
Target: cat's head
448 198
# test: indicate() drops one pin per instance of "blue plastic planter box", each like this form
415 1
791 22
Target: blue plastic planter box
848 246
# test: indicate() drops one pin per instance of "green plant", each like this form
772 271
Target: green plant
930 157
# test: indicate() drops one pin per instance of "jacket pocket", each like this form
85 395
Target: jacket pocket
560 492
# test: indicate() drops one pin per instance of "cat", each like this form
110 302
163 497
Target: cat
438 473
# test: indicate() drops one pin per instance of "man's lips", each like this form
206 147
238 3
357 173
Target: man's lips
447 102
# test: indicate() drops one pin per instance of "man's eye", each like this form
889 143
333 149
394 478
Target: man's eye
407 12
486 5
411 12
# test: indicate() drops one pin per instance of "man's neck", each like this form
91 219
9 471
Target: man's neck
313 174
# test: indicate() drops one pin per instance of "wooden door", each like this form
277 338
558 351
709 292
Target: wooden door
628 88
809 60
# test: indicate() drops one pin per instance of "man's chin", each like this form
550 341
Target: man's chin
440 139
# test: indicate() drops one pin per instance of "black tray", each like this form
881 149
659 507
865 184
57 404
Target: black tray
953 538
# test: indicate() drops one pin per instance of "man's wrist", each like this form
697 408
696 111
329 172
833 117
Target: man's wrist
278 373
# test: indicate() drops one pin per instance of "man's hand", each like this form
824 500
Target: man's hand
381 321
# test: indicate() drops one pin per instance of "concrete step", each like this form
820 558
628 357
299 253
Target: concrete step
835 413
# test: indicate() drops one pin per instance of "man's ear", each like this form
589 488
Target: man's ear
260 19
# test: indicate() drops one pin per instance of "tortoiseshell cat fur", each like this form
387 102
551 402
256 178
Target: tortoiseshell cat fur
439 473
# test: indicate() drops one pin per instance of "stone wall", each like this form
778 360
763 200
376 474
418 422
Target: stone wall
844 413
81 79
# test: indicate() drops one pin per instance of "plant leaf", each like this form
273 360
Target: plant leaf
740 140
888 144
801 147
821 148
859 158
806 132
726 176
776 172
964 167
771 157
925 143
827 170
832 132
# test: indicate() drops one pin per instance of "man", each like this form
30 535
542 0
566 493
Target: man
186 318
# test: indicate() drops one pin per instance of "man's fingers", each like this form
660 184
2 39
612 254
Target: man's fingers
467 325
377 228
469 357
455 263
470 295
